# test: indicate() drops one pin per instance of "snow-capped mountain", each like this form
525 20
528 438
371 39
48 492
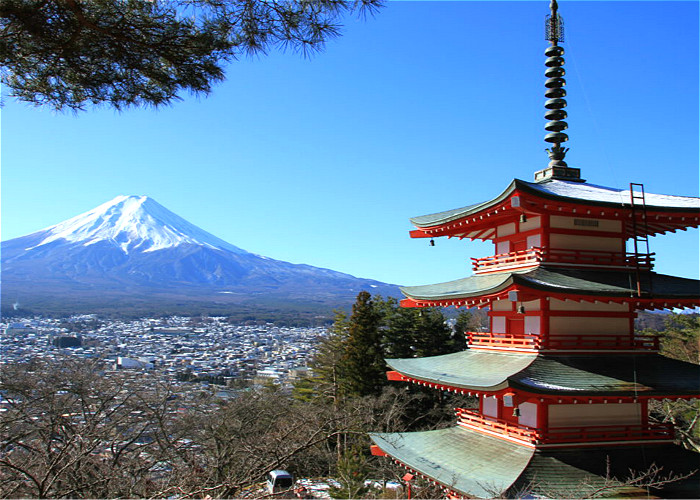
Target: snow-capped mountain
132 223
133 250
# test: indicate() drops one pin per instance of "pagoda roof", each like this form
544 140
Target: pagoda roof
580 193
473 464
466 462
630 375
585 282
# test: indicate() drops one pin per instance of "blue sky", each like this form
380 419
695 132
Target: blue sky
426 107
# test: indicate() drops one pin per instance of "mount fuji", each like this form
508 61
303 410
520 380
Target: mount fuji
133 253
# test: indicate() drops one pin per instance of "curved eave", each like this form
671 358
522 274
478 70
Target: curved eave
440 218
472 286
475 465
461 461
640 375
469 370
658 291
664 212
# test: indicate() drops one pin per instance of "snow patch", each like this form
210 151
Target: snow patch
133 223
593 192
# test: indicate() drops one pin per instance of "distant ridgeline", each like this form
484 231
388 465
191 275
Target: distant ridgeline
132 256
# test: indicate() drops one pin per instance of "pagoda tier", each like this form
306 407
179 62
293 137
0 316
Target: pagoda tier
659 291
567 378
538 400
467 463
563 310
562 200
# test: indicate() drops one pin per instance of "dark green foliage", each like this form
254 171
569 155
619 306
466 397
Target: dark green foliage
351 473
466 322
68 53
411 332
327 364
363 364
350 362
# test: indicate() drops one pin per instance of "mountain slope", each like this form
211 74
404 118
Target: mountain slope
133 249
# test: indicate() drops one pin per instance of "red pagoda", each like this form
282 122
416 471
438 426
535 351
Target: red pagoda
562 381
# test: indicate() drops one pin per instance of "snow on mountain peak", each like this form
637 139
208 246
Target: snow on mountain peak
132 223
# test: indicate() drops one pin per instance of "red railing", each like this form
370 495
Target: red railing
560 435
521 258
497 425
581 258
488 339
598 258
612 342
608 433
562 342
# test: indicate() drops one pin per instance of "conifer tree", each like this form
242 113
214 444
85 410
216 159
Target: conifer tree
465 323
432 336
69 53
363 364
399 332
327 365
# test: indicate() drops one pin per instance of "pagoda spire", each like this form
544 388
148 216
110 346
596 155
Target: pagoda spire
556 102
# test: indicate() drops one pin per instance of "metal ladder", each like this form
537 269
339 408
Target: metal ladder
640 241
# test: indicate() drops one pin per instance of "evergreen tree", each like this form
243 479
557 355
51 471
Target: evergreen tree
68 53
432 335
352 472
399 332
327 365
466 322
363 363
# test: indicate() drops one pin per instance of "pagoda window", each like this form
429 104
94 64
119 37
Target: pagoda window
532 325
534 241
489 406
586 415
498 324
502 247
528 414
603 225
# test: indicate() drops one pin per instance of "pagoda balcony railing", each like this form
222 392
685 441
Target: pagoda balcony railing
565 435
608 433
574 258
472 418
562 342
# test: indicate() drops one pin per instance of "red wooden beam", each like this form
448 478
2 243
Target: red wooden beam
377 451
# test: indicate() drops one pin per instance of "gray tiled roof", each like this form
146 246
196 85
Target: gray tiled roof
483 466
464 461
584 282
578 192
615 375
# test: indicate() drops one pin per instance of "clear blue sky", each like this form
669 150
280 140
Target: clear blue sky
426 107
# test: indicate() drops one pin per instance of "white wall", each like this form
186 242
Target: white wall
489 406
583 414
572 325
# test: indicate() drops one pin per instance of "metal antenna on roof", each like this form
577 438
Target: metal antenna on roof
555 93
